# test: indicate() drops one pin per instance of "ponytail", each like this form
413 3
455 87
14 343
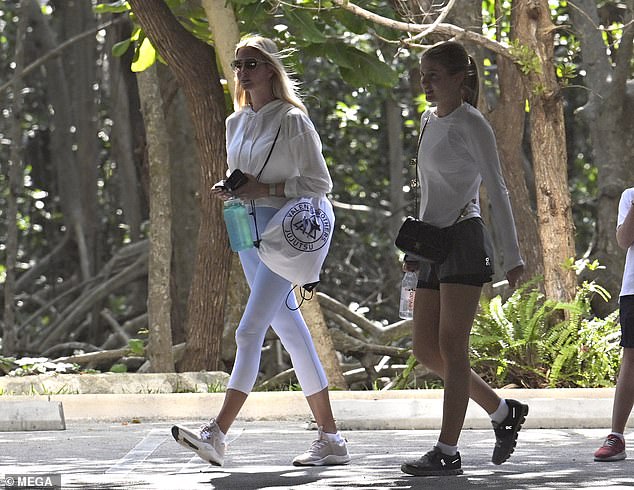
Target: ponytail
471 84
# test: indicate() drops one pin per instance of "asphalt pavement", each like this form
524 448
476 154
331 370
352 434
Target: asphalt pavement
143 455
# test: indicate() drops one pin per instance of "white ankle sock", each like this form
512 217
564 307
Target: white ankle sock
336 437
446 448
619 435
222 435
500 414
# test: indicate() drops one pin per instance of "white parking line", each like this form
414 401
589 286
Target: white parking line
194 465
139 453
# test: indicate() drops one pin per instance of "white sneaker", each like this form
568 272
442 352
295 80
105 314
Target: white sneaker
323 452
207 444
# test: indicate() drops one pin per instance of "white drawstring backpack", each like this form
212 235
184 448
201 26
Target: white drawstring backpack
296 240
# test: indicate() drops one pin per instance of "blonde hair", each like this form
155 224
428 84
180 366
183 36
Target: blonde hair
282 85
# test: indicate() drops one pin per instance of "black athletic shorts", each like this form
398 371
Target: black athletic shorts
470 260
626 312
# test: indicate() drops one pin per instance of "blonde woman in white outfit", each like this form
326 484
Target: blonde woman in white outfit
267 105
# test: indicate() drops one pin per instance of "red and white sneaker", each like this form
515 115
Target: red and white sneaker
613 449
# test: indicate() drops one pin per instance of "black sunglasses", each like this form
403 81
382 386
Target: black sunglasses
248 64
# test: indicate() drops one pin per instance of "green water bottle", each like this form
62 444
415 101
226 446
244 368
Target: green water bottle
236 218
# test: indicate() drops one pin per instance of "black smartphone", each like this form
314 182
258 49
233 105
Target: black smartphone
235 180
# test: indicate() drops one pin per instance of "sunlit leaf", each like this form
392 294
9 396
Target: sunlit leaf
146 56
113 7
121 47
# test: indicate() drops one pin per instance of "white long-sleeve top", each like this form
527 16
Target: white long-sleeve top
457 154
625 204
296 159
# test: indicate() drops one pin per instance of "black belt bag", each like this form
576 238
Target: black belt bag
424 241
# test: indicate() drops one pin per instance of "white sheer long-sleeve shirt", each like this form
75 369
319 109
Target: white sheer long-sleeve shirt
457 154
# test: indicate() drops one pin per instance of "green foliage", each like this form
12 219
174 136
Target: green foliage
407 379
301 22
525 58
119 368
494 25
136 347
357 68
534 342
402 382
588 357
566 73
216 387
7 364
145 55
118 7
322 33
506 336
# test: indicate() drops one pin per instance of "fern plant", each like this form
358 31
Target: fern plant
584 350
507 337
528 342
534 342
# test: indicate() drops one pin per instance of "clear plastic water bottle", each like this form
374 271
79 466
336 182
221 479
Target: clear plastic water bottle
408 292
237 220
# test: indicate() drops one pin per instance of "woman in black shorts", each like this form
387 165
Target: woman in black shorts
613 447
457 153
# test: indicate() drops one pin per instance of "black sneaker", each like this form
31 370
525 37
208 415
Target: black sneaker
434 463
506 432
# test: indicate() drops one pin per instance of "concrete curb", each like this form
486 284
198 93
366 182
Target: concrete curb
113 383
31 414
354 410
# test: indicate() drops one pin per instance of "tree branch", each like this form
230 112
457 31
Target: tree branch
380 333
442 28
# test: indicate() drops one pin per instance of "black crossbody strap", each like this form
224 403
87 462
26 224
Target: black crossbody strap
257 177
415 180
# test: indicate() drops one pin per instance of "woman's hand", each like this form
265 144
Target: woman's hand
514 275
252 189
220 191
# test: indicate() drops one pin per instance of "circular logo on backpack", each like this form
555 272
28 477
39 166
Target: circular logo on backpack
305 228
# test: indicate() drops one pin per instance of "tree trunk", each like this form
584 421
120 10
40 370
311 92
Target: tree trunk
159 260
76 16
608 114
193 64
323 343
15 177
226 33
548 145
394 128
185 179
507 120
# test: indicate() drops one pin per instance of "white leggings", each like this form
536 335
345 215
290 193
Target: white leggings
267 306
